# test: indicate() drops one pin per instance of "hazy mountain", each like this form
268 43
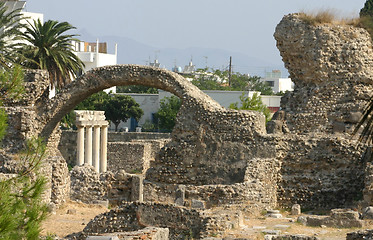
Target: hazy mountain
134 52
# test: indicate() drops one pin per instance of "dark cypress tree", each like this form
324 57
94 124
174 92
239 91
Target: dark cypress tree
367 10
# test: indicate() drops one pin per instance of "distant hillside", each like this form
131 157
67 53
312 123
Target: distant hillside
134 52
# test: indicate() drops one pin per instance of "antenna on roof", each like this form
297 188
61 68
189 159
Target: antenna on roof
206 57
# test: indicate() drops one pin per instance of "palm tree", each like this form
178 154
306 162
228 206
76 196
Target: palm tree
49 47
9 34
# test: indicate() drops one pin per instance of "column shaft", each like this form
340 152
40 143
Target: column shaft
80 146
88 146
96 148
103 156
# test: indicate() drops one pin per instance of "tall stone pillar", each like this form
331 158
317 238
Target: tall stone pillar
103 156
80 146
96 147
88 146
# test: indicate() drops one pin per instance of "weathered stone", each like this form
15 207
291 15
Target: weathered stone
294 237
272 232
112 237
181 222
197 204
137 191
362 234
367 213
275 126
339 218
295 209
274 215
71 211
180 195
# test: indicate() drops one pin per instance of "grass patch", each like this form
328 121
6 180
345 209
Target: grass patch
327 16
332 17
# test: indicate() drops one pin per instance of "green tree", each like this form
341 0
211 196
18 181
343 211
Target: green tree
49 47
252 103
9 34
93 102
210 80
167 112
367 10
11 88
366 17
136 89
254 84
218 80
21 208
120 108
117 108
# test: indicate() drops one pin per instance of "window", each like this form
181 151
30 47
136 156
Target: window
271 83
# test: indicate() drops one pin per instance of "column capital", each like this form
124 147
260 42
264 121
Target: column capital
87 123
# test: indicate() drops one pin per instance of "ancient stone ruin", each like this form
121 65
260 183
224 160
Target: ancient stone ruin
216 157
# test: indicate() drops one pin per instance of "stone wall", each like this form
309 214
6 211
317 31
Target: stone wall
320 172
131 136
331 67
182 223
330 64
364 234
67 144
148 233
88 186
131 157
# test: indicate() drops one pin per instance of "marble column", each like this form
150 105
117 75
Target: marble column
88 146
103 155
80 147
96 147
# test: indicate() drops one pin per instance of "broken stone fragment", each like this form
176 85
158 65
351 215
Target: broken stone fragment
295 209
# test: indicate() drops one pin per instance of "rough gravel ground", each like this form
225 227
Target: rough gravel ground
62 224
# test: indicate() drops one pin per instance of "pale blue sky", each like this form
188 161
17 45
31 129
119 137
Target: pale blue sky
236 25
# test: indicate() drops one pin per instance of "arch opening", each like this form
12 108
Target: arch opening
119 75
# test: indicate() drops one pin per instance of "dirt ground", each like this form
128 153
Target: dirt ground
66 221
63 223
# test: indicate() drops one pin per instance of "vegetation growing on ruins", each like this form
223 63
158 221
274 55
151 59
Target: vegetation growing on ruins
329 16
252 103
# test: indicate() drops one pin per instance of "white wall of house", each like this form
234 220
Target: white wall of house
30 17
279 84
92 59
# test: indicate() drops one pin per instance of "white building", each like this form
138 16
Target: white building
27 17
190 68
150 104
277 83
95 55
15 4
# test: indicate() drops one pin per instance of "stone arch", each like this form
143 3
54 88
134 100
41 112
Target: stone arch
206 137
104 77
